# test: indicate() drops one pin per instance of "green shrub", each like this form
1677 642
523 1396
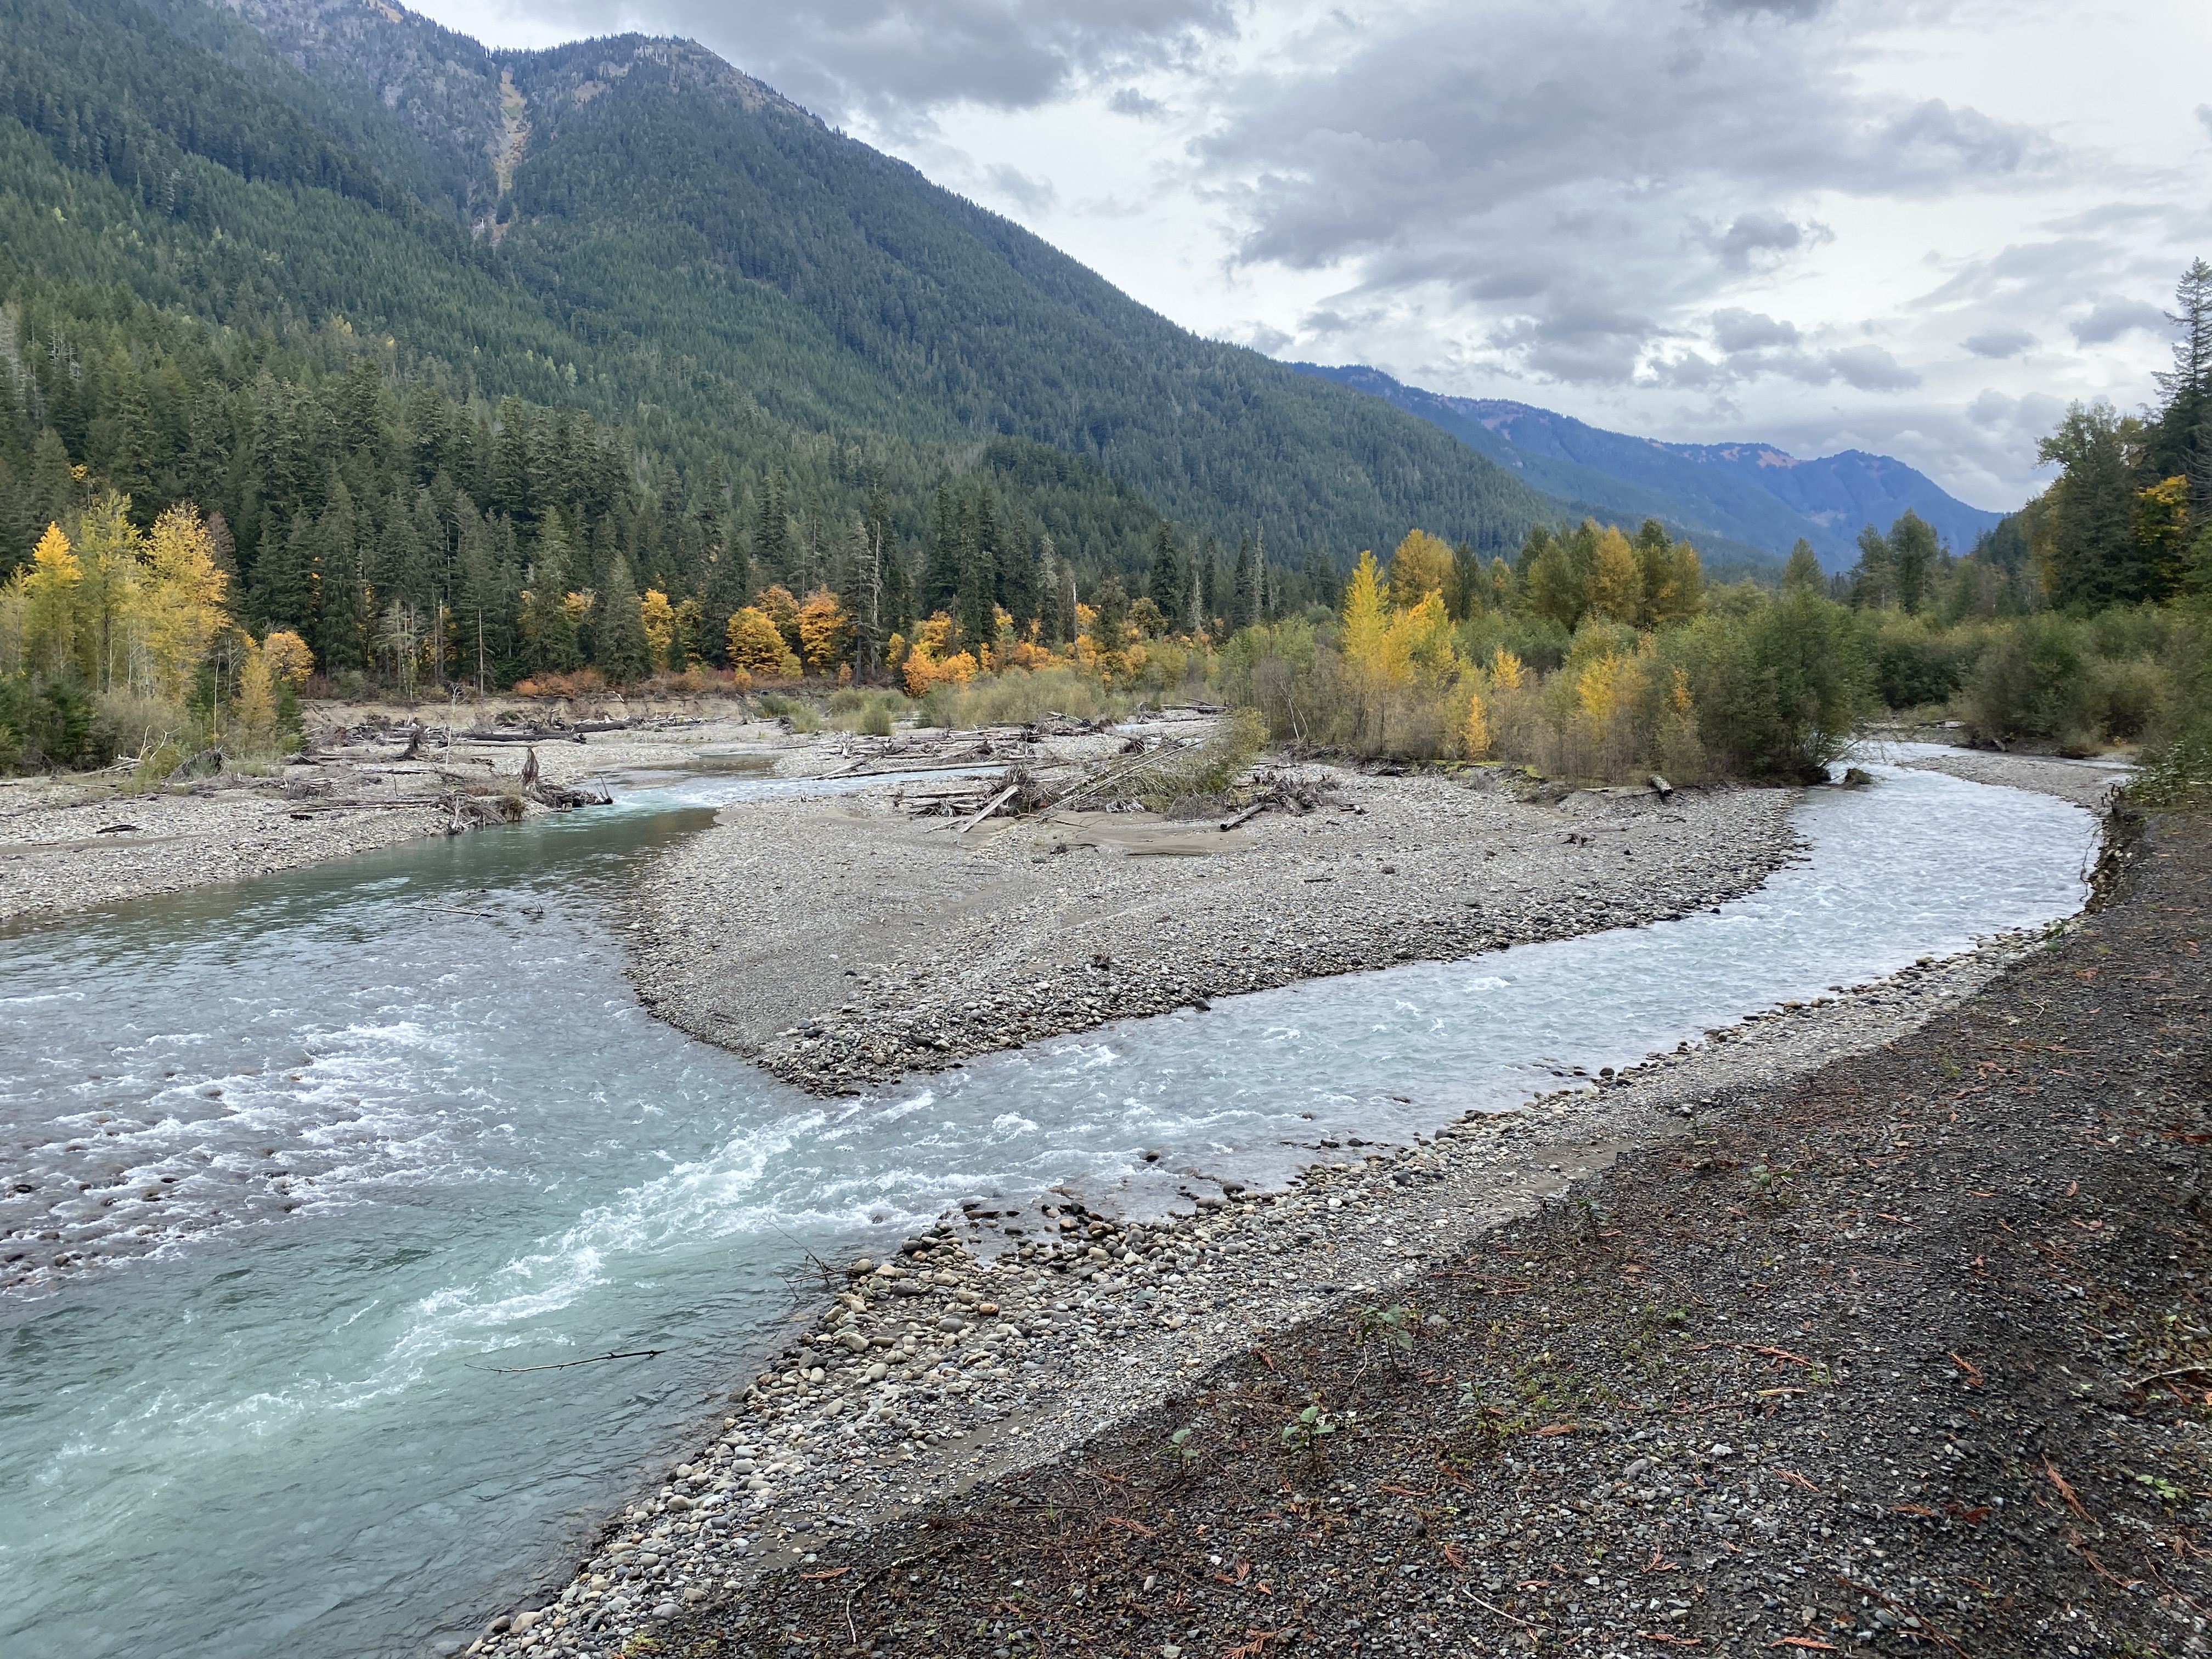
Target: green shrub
1914 666
2131 696
1539 641
2033 685
53 725
1778 690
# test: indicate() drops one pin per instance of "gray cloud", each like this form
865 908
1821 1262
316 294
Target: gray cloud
896 60
1870 368
1758 232
1127 100
2204 116
1035 195
1790 9
1999 342
1736 330
2111 318
1494 153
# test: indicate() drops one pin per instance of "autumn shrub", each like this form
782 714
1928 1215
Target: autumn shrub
1020 695
1195 779
871 713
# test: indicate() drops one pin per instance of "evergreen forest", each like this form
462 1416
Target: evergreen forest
426 370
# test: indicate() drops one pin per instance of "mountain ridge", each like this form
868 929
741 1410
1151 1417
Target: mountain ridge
1747 491
654 198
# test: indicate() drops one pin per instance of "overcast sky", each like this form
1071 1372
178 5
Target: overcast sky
1918 229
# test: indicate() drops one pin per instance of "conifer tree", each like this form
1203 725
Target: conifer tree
941 573
977 613
772 549
2180 444
342 604
1247 598
1803 570
623 655
283 591
1874 585
1914 555
1163 581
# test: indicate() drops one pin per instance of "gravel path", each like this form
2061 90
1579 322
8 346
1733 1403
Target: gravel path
843 943
1899 1353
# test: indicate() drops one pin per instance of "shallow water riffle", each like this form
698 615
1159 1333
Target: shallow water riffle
403 1126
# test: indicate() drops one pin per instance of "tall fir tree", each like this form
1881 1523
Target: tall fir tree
1164 582
341 595
941 570
2180 442
624 655
977 614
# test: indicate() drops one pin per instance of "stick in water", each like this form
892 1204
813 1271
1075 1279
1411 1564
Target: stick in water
517 1371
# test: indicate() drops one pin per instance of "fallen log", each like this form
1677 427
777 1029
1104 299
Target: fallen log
1249 812
989 807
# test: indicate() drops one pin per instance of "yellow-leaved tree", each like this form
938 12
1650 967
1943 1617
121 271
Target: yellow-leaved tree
179 601
660 618
757 644
1422 565
50 597
1616 581
253 710
289 656
111 647
1386 649
1474 729
825 632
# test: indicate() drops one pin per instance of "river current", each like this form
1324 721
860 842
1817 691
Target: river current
402 1125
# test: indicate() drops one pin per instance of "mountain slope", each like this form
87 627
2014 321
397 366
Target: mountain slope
1747 493
660 196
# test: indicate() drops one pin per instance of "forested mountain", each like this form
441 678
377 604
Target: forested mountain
1747 498
633 227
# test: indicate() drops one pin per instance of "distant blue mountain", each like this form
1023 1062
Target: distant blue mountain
1744 499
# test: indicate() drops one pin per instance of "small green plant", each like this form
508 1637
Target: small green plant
1305 1431
1180 1452
1393 1326
1771 1186
2168 1491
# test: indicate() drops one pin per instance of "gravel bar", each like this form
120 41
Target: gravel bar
843 943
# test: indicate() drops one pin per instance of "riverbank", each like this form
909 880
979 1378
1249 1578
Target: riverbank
1875 1350
1007 1336
73 841
845 942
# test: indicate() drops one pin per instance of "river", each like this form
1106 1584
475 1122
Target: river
405 1126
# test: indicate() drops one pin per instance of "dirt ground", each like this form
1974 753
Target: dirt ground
1910 1355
